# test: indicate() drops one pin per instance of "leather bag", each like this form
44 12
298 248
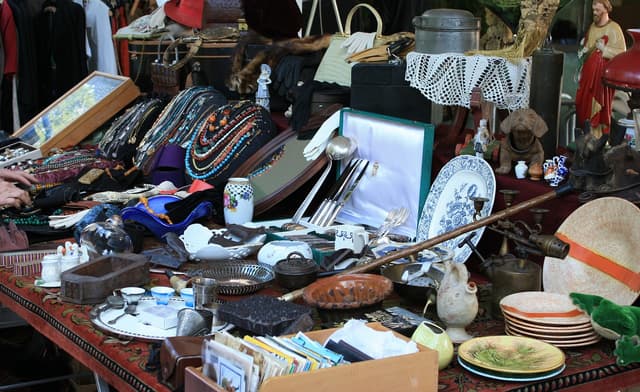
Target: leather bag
176 353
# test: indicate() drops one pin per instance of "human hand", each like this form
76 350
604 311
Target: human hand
12 196
600 45
358 42
17 175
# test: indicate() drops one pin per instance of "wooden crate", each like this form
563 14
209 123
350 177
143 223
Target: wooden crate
412 372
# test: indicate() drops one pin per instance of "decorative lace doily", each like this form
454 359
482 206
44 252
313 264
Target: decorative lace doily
449 78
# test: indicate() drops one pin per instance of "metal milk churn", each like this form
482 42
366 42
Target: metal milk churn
446 30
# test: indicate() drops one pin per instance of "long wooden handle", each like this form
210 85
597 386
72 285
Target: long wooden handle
426 244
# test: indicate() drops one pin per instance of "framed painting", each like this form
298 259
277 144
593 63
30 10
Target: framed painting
79 112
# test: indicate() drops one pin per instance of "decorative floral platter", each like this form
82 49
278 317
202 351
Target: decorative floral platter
511 354
449 204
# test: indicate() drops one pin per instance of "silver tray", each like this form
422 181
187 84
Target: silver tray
238 278
130 327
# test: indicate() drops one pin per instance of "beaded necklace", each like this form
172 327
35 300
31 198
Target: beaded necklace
145 203
267 164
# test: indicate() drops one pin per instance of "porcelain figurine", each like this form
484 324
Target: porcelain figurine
457 301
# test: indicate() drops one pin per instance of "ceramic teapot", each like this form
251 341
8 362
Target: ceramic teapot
457 301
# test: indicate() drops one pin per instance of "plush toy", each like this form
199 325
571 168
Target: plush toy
615 322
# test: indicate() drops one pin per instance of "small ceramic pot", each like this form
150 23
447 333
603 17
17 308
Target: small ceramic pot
238 201
521 170
50 268
431 335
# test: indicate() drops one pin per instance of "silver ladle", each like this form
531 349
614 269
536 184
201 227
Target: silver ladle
337 149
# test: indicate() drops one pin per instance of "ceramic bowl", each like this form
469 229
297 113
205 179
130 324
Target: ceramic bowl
132 294
187 294
274 251
162 294
347 291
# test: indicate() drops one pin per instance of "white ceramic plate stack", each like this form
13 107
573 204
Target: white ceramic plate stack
549 317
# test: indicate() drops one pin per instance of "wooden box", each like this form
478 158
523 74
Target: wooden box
79 112
92 282
413 372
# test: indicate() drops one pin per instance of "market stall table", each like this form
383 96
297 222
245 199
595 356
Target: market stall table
122 364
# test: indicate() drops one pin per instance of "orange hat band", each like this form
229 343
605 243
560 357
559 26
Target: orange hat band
622 274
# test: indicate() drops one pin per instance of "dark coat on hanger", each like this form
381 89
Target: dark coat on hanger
62 56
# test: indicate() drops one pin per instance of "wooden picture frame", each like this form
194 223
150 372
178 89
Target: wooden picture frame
278 169
79 112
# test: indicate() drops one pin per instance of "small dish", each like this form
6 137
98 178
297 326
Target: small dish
238 278
48 285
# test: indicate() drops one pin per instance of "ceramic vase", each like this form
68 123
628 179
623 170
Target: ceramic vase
521 170
238 201
431 335
457 301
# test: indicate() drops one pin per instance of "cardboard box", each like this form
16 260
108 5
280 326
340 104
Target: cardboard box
413 372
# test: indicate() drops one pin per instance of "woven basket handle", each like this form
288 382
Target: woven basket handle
375 13
178 63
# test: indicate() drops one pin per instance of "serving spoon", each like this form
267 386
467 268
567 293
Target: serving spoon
130 309
337 149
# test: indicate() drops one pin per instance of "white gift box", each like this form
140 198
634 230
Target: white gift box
399 173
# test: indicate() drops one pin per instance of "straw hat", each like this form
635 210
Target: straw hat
604 239
187 12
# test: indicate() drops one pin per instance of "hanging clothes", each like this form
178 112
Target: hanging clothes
24 13
62 59
103 56
8 69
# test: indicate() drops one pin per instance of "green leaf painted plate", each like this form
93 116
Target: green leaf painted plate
511 354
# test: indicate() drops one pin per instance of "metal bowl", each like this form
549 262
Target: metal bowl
238 278
419 289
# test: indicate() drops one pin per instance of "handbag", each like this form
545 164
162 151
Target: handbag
168 76
334 67
176 353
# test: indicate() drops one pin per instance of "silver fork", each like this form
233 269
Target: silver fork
398 217
394 218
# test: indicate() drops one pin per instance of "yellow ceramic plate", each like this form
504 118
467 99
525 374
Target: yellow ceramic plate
511 354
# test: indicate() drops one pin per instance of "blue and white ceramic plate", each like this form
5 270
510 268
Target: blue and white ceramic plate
449 204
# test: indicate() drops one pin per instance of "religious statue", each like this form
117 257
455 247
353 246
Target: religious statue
603 41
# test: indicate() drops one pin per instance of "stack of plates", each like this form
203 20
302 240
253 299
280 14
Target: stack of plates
511 358
549 317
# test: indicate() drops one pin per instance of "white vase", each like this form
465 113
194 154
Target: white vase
238 201
521 170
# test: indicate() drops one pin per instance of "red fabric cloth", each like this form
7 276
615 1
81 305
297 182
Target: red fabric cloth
591 90
9 39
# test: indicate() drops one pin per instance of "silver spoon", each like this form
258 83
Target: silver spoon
130 309
337 149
